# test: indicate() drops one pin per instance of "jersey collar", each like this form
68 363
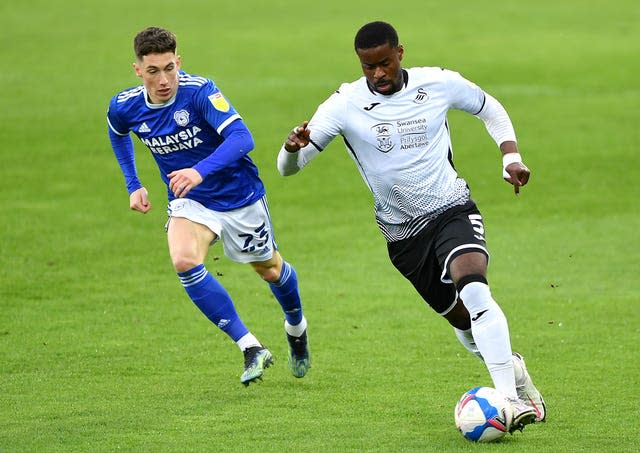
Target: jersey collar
157 106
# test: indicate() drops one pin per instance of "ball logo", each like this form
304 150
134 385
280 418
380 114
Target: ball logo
483 414
181 117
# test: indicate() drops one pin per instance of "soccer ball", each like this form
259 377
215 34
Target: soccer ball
483 414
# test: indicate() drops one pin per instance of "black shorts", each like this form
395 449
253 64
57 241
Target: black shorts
424 259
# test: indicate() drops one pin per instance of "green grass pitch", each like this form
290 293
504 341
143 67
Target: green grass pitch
101 350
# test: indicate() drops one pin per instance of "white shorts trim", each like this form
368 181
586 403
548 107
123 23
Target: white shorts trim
444 277
453 304
246 233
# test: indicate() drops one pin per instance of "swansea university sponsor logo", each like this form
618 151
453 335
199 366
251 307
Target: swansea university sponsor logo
183 140
383 137
409 134
413 133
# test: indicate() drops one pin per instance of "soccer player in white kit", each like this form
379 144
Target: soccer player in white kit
201 146
394 125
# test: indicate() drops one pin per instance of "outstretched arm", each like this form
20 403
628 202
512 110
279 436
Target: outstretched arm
514 171
307 140
499 126
296 152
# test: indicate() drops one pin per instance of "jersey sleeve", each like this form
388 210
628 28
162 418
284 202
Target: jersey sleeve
496 120
237 143
113 119
467 96
325 125
122 146
215 107
463 94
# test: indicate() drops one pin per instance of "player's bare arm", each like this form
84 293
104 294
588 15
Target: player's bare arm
298 138
139 201
515 171
182 181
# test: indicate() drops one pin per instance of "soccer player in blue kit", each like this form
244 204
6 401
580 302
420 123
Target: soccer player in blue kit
201 146
394 124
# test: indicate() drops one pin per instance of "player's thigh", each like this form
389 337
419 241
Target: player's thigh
471 262
460 243
416 261
188 240
191 229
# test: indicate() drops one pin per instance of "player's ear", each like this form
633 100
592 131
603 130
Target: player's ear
137 69
178 61
400 52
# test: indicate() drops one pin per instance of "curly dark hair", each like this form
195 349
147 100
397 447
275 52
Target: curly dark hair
154 40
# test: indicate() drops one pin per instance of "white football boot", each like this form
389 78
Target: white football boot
523 414
528 392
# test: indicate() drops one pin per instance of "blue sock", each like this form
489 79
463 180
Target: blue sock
288 295
213 300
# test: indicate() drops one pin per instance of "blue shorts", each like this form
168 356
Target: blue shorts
246 233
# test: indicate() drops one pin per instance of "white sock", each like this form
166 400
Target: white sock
491 334
248 341
298 329
466 338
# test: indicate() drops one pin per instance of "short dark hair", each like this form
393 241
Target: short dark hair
154 40
376 34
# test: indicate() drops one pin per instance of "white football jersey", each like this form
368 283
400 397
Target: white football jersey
400 143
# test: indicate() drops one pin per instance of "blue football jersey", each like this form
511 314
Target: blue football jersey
185 131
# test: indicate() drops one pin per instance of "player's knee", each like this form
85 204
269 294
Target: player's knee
470 278
269 270
183 263
269 274
459 317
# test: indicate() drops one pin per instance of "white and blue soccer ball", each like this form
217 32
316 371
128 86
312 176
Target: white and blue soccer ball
483 414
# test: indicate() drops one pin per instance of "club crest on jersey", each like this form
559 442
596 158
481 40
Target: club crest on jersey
422 96
383 136
219 102
181 117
